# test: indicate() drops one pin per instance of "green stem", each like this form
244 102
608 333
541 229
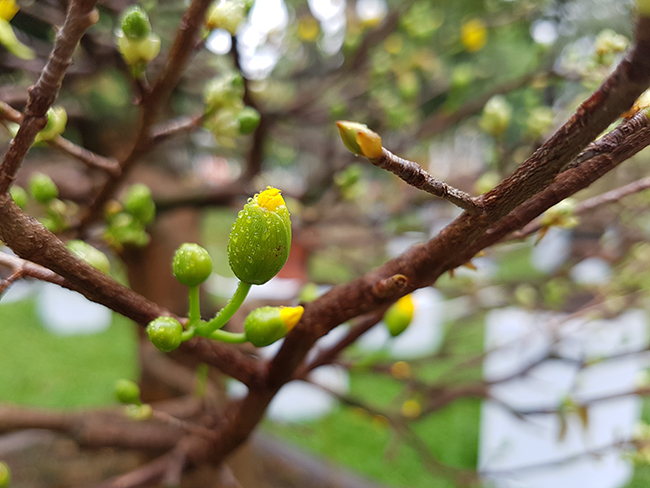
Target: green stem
195 306
230 337
189 333
226 313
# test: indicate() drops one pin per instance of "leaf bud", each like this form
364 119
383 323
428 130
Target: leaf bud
42 188
127 391
249 119
192 264
398 317
359 139
223 91
139 203
260 238
57 118
135 23
90 254
19 196
265 325
5 473
165 333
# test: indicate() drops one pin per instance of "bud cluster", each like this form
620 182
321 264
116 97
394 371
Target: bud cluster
127 221
135 40
226 116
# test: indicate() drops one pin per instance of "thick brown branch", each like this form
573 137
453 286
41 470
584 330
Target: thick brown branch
81 15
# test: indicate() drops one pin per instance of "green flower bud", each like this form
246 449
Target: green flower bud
165 333
265 325
192 264
90 254
223 91
57 118
359 139
5 475
540 120
226 15
125 230
561 215
249 119
496 116
19 196
139 203
260 238
127 391
398 317
138 52
139 412
42 188
135 23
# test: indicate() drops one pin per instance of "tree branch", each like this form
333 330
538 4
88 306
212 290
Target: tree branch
80 16
416 176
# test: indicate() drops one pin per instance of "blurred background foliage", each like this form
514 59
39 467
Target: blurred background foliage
467 88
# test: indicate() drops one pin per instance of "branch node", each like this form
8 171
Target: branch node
389 287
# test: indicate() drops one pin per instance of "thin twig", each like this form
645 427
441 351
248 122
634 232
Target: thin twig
80 16
413 174
587 206
89 158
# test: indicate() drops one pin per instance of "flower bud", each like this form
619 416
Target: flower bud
135 23
165 333
192 264
139 203
5 473
260 238
496 116
226 14
57 118
8 9
139 412
138 52
399 315
561 215
265 325
127 391
359 139
42 188
90 254
19 196
249 119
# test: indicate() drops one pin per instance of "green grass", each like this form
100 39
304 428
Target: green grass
38 368
355 439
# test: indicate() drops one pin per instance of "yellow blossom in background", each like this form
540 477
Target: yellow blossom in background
393 44
8 39
308 28
8 9
473 35
411 409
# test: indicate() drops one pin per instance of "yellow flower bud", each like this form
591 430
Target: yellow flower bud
265 325
399 315
359 139
260 238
